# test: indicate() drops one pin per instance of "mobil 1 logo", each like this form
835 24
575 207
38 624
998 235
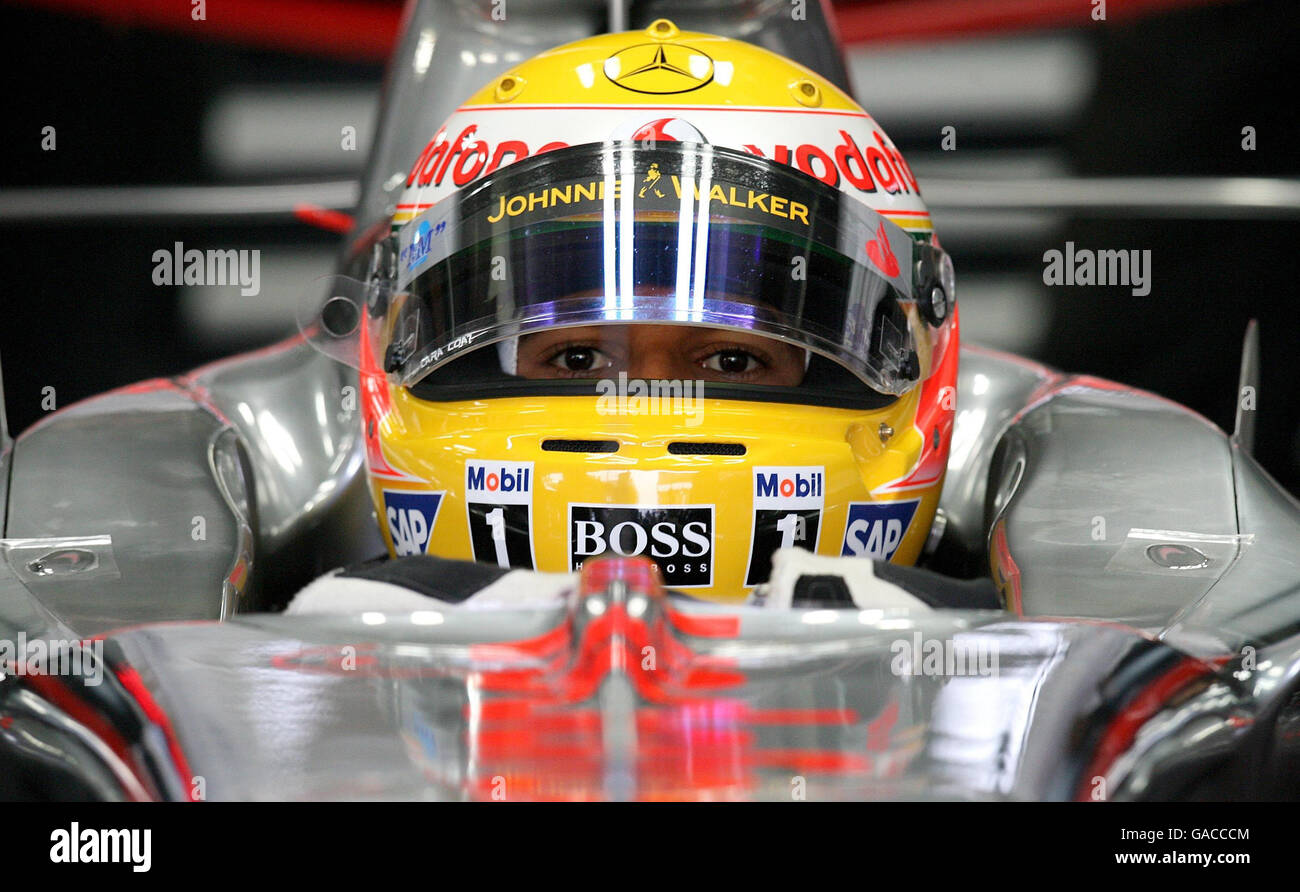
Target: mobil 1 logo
678 538
788 504
499 500
875 529
410 515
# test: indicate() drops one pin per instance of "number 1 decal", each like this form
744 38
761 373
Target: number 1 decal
787 514
791 528
498 505
496 519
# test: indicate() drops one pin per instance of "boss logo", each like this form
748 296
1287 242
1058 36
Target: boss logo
411 515
678 539
788 505
875 529
498 499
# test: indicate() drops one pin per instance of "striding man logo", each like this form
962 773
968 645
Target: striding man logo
651 181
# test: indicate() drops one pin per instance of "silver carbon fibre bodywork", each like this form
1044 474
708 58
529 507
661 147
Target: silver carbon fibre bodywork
1093 481
215 488
196 506
810 694
436 720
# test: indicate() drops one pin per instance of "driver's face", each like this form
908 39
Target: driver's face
650 351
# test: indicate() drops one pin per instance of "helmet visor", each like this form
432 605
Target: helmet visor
685 234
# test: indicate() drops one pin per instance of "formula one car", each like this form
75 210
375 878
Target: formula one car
1143 642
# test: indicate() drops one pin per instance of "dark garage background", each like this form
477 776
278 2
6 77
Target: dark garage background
139 100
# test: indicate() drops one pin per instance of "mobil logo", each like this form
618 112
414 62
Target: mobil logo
498 505
789 487
788 504
875 529
411 515
500 482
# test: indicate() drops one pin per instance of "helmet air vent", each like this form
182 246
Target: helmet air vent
580 445
695 448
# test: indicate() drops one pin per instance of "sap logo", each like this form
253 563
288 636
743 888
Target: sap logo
875 529
678 539
499 478
780 487
411 516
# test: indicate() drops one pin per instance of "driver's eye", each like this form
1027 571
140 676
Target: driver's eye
733 362
579 359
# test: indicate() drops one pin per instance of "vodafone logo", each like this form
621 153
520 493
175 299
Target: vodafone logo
881 255
667 130
843 149
472 157
848 165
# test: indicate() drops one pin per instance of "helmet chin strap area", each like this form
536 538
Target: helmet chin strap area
508 352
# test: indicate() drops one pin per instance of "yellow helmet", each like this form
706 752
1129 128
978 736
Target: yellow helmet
633 202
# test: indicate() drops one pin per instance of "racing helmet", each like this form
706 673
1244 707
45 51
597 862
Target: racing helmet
682 195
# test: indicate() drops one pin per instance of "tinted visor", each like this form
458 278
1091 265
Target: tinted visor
684 234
